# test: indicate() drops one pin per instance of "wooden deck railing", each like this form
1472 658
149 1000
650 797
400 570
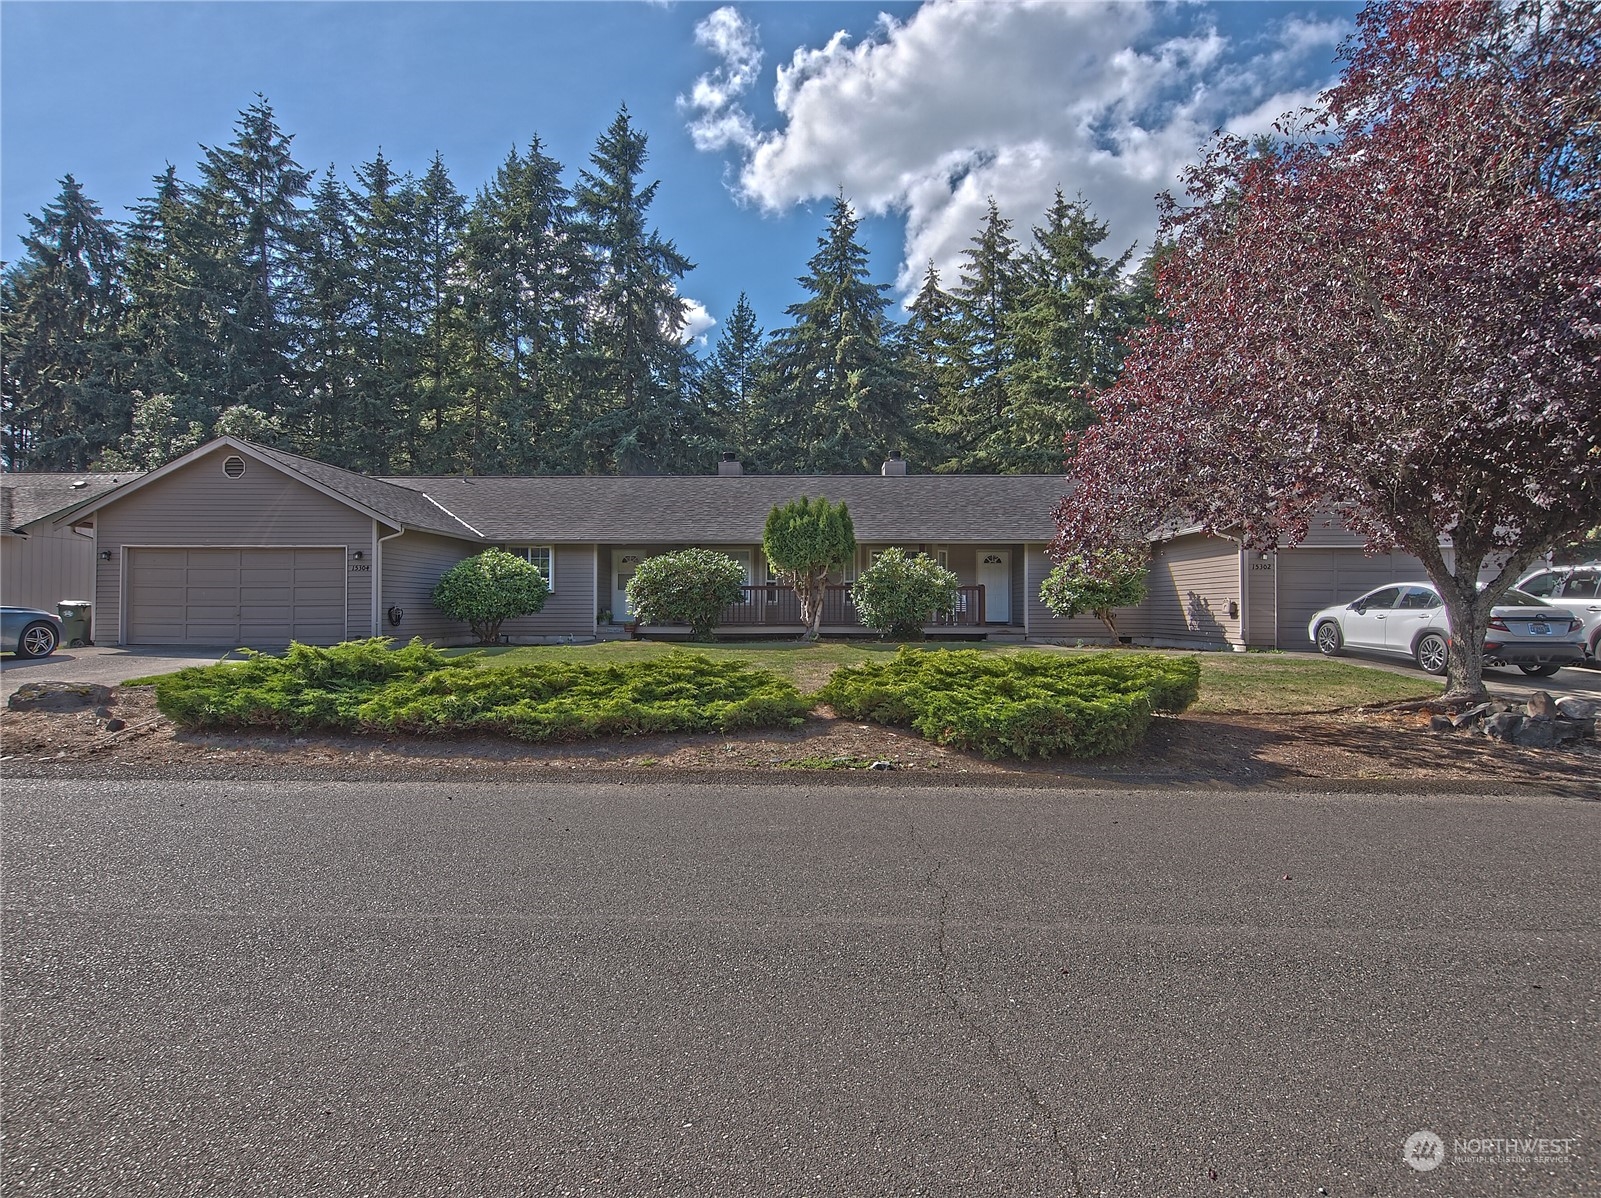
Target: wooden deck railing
778 605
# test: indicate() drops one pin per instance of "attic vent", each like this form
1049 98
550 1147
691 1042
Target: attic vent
234 466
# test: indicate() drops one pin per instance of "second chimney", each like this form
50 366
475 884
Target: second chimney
894 466
730 464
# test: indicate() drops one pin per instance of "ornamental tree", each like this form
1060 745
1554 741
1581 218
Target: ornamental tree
691 586
1077 585
804 540
1392 315
490 589
901 592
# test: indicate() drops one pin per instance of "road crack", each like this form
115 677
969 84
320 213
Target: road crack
980 1030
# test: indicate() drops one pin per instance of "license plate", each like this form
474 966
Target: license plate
1539 630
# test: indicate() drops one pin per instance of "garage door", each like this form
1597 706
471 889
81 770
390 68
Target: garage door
263 598
1312 579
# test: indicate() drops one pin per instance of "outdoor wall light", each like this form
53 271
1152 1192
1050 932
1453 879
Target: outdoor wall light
358 555
105 555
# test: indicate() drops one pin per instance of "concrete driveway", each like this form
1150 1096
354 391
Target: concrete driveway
108 666
1510 682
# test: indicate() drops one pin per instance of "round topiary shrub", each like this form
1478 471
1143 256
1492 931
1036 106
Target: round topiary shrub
490 589
690 586
898 594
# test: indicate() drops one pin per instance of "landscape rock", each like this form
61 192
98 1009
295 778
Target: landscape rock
1482 711
1442 723
1541 706
882 765
1574 708
1535 733
1502 726
115 725
58 696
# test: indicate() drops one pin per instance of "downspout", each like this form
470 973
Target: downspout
378 576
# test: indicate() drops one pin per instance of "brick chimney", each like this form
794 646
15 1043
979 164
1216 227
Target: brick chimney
894 466
730 464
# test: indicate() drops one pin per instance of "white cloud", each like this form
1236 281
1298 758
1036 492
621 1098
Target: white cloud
697 322
718 121
929 117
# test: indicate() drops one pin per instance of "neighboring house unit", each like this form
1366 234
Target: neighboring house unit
235 543
41 566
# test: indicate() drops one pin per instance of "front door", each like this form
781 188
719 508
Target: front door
623 564
995 576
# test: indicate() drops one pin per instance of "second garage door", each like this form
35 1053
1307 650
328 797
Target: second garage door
263 598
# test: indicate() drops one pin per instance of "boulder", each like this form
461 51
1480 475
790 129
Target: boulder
1442 723
59 696
1482 711
1541 706
1574 708
1535 734
1503 725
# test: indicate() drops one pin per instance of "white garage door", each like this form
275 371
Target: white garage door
263 598
1312 579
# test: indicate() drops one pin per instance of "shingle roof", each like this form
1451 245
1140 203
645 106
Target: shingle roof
31 496
732 509
407 506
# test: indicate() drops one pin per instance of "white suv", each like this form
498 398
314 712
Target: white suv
1578 588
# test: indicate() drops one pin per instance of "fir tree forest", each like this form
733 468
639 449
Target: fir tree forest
393 325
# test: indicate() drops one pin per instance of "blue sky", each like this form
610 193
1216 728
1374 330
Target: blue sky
757 113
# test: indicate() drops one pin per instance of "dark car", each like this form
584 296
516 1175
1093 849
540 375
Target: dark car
28 632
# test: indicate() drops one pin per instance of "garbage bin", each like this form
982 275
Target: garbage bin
75 621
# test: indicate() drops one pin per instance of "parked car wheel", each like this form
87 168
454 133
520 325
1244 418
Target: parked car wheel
1431 652
37 640
1544 671
1329 640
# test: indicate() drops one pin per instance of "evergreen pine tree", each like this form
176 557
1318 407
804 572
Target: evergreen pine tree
326 423
631 413
1068 328
838 398
527 275
246 238
381 208
729 381
438 225
986 297
930 352
61 304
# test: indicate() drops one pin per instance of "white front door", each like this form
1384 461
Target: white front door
623 564
995 576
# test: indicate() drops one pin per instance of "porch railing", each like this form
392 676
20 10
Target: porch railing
778 605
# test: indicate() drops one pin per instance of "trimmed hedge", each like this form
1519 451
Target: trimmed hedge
1017 705
363 686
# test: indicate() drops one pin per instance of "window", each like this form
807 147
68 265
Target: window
1543 585
1379 600
1582 586
1418 599
542 556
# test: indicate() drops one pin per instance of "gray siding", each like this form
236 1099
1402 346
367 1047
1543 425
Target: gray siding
1046 625
200 506
1193 581
45 568
571 608
412 566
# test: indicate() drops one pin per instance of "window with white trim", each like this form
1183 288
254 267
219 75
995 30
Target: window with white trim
542 556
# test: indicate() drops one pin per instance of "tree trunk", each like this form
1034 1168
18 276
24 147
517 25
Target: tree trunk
811 589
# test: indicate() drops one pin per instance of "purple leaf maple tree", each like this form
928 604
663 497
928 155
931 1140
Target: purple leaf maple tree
1388 315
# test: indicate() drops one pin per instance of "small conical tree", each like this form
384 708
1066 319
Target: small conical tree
729 382
804 541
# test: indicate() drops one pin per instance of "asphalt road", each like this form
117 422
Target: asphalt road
228 988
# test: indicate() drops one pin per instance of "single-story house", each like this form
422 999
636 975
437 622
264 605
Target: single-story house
42 565
236 543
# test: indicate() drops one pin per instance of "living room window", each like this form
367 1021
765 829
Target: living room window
542 556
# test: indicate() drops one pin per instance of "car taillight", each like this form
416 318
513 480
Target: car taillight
1498 624
1575 625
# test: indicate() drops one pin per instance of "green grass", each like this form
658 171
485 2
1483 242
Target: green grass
1256 683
